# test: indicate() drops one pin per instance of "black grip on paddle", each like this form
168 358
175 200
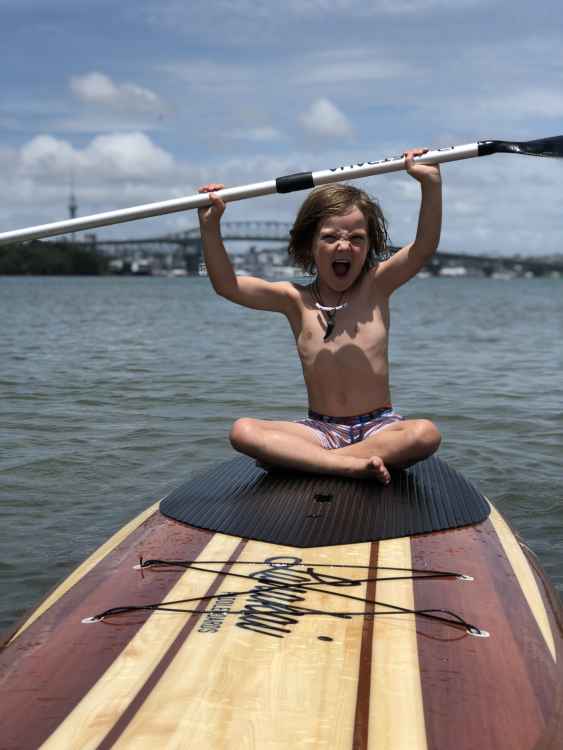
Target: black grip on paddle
551 147
292 182
487 147
504 147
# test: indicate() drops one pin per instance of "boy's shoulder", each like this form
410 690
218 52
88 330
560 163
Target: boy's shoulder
300 290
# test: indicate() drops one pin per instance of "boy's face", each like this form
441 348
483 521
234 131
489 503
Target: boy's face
340 249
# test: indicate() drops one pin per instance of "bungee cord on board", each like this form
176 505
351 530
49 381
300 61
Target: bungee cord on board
444 616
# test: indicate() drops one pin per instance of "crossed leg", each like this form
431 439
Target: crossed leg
296 446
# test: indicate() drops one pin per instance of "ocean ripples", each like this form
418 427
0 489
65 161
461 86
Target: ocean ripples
116 390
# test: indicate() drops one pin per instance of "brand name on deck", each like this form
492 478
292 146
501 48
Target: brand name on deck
273 606
217 614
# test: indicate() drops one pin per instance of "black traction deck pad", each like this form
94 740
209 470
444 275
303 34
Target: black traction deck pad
304 510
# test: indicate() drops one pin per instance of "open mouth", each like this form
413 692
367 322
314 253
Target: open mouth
341 267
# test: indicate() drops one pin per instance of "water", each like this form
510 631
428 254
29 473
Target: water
114 390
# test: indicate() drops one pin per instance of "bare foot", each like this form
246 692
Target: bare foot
372 468
377 466
358 468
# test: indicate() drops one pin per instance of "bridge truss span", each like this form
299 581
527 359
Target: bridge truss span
249 231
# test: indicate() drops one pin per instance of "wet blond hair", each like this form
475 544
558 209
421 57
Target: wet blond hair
335 200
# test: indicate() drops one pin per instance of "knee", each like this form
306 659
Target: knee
428 437
243 434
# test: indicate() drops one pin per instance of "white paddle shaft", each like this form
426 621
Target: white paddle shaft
289 183
367 169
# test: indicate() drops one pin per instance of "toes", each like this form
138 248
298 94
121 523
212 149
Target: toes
381 470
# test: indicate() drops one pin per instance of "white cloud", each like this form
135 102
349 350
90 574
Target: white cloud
132 155
97 88
111 171
119 156
45 155
323 118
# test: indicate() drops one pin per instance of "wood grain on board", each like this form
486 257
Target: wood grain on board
283 647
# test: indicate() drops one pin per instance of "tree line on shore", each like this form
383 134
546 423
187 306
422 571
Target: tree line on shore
51 258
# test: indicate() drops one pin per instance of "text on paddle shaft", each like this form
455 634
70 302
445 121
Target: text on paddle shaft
361 164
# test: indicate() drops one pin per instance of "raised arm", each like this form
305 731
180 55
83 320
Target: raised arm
249 291
408 261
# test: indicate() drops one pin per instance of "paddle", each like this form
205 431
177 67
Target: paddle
302 181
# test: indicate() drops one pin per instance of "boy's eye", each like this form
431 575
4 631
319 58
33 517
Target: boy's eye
355 239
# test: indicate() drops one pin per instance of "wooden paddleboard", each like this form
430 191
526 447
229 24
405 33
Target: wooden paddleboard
275 646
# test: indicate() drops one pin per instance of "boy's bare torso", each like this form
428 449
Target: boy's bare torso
337 232
349 373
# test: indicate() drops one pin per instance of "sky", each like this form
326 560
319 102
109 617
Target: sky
145 100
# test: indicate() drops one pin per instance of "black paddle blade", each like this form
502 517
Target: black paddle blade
542 147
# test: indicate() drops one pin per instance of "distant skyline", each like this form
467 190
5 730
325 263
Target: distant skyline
146 100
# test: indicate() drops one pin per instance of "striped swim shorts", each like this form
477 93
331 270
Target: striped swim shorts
338 432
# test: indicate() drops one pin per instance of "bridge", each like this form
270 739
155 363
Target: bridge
251 231
232 231
187 248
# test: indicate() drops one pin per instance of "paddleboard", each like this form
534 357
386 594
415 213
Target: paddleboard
173 635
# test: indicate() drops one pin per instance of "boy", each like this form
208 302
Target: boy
341 327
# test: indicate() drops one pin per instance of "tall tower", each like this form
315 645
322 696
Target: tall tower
72 204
